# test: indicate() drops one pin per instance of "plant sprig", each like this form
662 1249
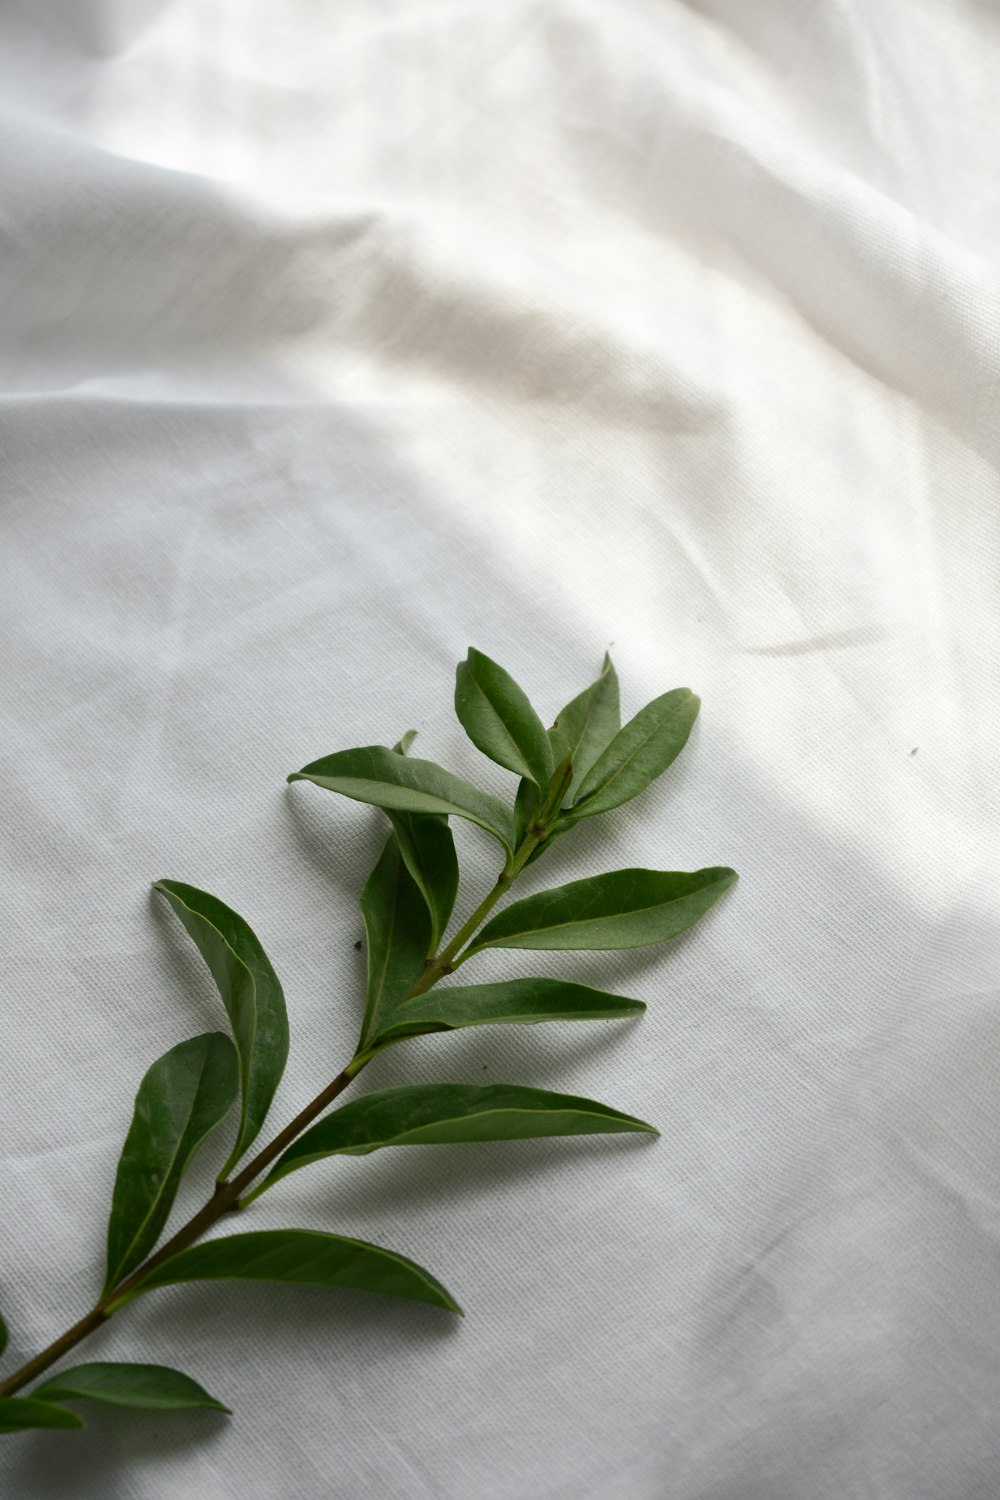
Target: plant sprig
584 765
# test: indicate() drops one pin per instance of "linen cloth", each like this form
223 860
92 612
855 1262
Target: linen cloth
335 339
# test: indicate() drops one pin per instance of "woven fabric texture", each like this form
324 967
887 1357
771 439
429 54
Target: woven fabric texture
336 339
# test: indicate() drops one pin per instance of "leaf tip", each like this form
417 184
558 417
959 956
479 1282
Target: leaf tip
447 1301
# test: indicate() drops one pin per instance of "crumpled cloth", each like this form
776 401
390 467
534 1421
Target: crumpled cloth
336 339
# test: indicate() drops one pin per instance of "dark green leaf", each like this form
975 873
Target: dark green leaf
20 1412
523 1001
399 783
428 848
624 909
185 1095
306 1256
540 849
398 928
587 725
637 754
251 994
152 1387
429 1114
526 805
529 806
499 720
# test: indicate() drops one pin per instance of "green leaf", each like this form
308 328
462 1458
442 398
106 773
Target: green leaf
185 1095
589 722
428 848
251 994
429 1114
151 1387
556 832
530 806
624 909
582 731
399 783
499 720
517 1001
547 843
637 754
17 1413
398 928
305 1256
526 805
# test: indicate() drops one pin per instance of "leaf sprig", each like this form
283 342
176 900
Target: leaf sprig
586 764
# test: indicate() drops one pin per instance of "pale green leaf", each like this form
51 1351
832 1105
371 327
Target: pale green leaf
304 1256
184 1096
623 909
496 715
251 994
149 1387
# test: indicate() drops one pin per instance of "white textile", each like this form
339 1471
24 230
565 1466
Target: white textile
336 338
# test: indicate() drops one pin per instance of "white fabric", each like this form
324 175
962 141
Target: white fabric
335 338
